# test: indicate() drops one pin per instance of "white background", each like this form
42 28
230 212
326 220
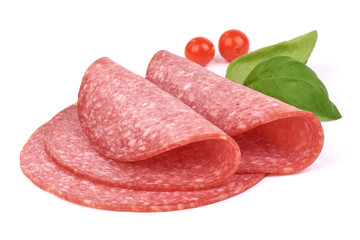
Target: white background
45 47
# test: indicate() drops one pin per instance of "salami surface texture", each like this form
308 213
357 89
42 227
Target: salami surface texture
274 137
40 168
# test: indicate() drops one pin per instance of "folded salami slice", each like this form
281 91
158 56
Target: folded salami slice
37 165
128 132
273 137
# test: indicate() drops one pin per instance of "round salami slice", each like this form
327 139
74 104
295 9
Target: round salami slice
274 137
207 162
38 166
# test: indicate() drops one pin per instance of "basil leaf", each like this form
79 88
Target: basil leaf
299 48
294 83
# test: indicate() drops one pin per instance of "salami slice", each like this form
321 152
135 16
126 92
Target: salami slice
37 165
274 137
128 118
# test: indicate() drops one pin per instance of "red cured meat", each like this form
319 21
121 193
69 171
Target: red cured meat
274 137
37 165
128 145
208 162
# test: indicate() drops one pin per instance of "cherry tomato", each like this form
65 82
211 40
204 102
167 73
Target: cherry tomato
200 50
232 44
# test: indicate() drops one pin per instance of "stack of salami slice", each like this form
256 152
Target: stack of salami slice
182 137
